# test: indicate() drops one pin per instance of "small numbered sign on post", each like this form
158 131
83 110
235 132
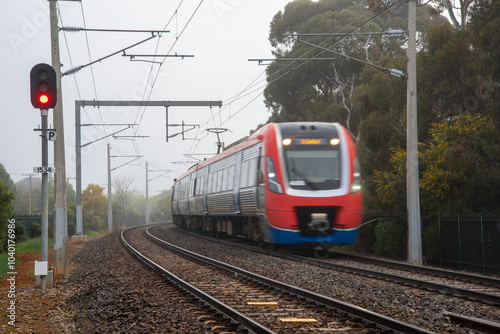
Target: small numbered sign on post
44 169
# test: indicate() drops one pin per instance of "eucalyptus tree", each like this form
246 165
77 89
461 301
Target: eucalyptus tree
320 88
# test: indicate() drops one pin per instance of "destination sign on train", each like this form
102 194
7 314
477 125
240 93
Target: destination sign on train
310 141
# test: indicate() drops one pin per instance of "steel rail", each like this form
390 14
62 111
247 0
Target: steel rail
487 326
229 312
416 283
466 277
381 321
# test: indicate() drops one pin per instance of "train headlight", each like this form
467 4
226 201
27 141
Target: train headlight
286 141
334 141
356 177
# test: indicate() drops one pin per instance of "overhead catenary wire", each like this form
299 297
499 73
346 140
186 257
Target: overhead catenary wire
97 127
91 68
75 77
161 63
291 67
164 58
255 86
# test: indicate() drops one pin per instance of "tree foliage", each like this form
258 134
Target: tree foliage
6 209
458 80
323 90
459 168
94 205
121 185
6 212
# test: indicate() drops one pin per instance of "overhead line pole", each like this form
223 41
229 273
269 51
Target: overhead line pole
61 221
110 203
147 196
412 170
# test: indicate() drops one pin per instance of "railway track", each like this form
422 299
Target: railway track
457 284
487 326
259 304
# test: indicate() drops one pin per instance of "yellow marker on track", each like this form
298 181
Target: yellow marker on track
263 304
299 320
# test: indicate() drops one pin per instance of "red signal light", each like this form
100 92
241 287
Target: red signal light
43 98
43 86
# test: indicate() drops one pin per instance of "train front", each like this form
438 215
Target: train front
314 184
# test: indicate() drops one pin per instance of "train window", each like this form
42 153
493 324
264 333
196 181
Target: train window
252 172
214 183
272 179
200 185
260 178
230 178
244 174
224 179
192 185
219 181
313 169
209 184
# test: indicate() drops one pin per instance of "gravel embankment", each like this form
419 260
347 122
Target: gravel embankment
407 304
109 291
113 293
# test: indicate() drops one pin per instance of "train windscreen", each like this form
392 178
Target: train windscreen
312 169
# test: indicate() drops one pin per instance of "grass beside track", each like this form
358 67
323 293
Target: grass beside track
29 246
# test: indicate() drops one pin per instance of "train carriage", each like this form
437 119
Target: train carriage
289 183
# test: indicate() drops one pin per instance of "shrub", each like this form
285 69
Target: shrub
391 239
36 230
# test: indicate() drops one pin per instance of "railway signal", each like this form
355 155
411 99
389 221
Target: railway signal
43 86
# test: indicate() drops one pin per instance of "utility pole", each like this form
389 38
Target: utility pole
60 226
110 202
412 171
147 195
30 176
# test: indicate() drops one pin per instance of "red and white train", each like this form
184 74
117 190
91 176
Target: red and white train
289 183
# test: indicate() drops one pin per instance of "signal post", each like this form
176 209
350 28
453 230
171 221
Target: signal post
43 88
